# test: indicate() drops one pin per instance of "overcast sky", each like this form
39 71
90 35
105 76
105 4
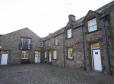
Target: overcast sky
42 16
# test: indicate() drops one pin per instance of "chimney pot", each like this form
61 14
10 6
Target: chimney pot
71 18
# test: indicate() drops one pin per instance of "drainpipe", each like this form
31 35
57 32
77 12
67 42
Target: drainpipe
43 51
64 49
84 61
107 44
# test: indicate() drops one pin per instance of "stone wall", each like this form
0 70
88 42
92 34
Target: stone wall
11 43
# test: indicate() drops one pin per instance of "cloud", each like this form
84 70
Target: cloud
42 16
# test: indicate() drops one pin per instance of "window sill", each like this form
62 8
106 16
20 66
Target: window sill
24 58
54 59
70 58
56 45
69 38
92 32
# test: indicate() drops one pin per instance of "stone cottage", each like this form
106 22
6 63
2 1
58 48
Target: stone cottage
19 47
85 43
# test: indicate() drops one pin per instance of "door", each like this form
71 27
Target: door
4 59
37 57
50 57
97 59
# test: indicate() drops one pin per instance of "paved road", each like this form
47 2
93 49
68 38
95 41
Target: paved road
47 74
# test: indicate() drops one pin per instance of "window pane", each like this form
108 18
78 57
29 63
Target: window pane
29 43
92 26
45 54
92 22
95 45
24 55
69 33
70 53
36 52
25 44
54 54
56 41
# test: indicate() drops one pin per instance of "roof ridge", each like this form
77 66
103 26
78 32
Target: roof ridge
102 7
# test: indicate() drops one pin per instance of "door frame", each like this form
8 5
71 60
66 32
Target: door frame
93 59
4 51
50 53
38 57
2 58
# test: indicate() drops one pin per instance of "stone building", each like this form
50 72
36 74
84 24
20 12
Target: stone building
86 43
19 46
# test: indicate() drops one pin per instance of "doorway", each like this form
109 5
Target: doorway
97 59
4 59
50 57
37 57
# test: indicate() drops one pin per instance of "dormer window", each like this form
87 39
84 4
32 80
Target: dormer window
69 33
56 41
92 25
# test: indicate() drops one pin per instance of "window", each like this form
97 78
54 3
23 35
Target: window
0 46
29 43
95 45
41 43
45 54
37 53
25 44
92 25
56 41
54 54
69 33
24 55
69 53
49 43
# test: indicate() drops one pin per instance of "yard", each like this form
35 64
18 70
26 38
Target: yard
47 74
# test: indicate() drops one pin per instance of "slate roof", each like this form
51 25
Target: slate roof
23 29
105 7
78 22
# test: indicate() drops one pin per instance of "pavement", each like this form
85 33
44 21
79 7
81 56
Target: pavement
49 74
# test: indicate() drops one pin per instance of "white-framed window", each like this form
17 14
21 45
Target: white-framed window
69 33
25 43
37 53
69 53
45 54
29 43
24 55
92 25
0 46
54 54
56 41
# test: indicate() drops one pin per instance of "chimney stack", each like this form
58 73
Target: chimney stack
71 18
